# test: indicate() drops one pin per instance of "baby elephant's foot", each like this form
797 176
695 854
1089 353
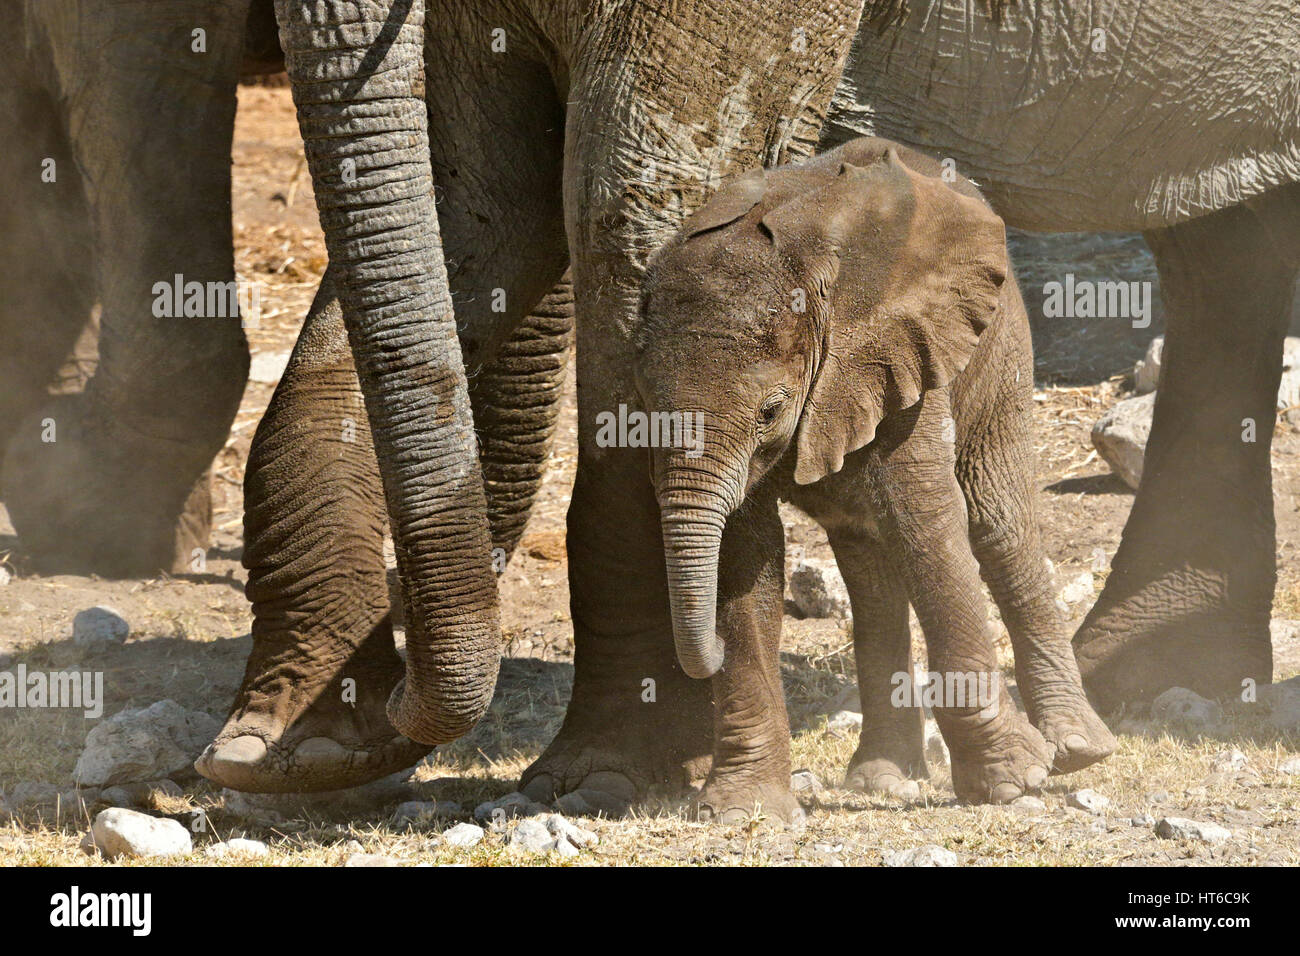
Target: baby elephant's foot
1003 759
886 776
730 803
1077 735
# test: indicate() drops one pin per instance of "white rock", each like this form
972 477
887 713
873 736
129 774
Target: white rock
805 781
818 590
1146 374
532 835
99 625
462 834
1228 761
5 576
121 832
1283 703
928 855
844 720
563 829
1180 828
1290 766
564 848
236 847
158 741
1143 820
371 859
1090 800
1120 436
1028 802
1178 705
1078 588
267 368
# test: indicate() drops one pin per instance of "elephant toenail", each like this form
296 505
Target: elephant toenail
242 751
607 781
318 752
1005 793
1036 776
1076 742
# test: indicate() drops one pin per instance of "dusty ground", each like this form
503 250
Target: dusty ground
189 634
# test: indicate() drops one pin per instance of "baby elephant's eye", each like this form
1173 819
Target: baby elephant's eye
770 410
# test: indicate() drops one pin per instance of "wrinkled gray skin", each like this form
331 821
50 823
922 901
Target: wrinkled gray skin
587 139
845 334
138 127
1186 126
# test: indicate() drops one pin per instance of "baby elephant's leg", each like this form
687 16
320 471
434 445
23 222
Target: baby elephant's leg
1004 534
996 754
890 757
751 749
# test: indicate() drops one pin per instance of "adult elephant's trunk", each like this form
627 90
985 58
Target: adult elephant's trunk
357 70
692 529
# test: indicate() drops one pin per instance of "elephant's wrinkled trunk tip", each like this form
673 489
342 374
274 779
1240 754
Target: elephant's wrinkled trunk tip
692 543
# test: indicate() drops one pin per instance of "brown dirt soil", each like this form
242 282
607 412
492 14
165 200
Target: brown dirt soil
189 634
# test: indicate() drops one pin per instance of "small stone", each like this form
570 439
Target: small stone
818 590
1290 766
1180 828
1283 703
1028 802
371 859
1120 437
564 848
1088 800
121 832
5 576
561 828
1158 796
1186 708
928 855
267 368
844 720
236 847
146 744
1143 820
1079 588
99 625
805 781
532 835
462 834
1146 374
1228 761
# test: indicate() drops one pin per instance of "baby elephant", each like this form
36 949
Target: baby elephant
844 334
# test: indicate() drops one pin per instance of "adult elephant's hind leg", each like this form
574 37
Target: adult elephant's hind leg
1188 599
310 714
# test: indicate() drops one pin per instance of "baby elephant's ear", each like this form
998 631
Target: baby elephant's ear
728 204
913 271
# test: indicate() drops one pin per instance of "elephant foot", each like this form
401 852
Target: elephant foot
728 803
999 760
616 755
884 777
97 498
1075 732
1125 658
288 734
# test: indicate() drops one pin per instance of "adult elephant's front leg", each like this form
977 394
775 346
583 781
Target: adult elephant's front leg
665 102
1188 599
148 94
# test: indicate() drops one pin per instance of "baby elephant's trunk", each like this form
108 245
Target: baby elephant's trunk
692 530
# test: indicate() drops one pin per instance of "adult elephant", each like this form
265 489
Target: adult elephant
1181 120
558 132
116 119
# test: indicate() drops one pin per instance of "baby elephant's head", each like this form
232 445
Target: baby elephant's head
787 318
